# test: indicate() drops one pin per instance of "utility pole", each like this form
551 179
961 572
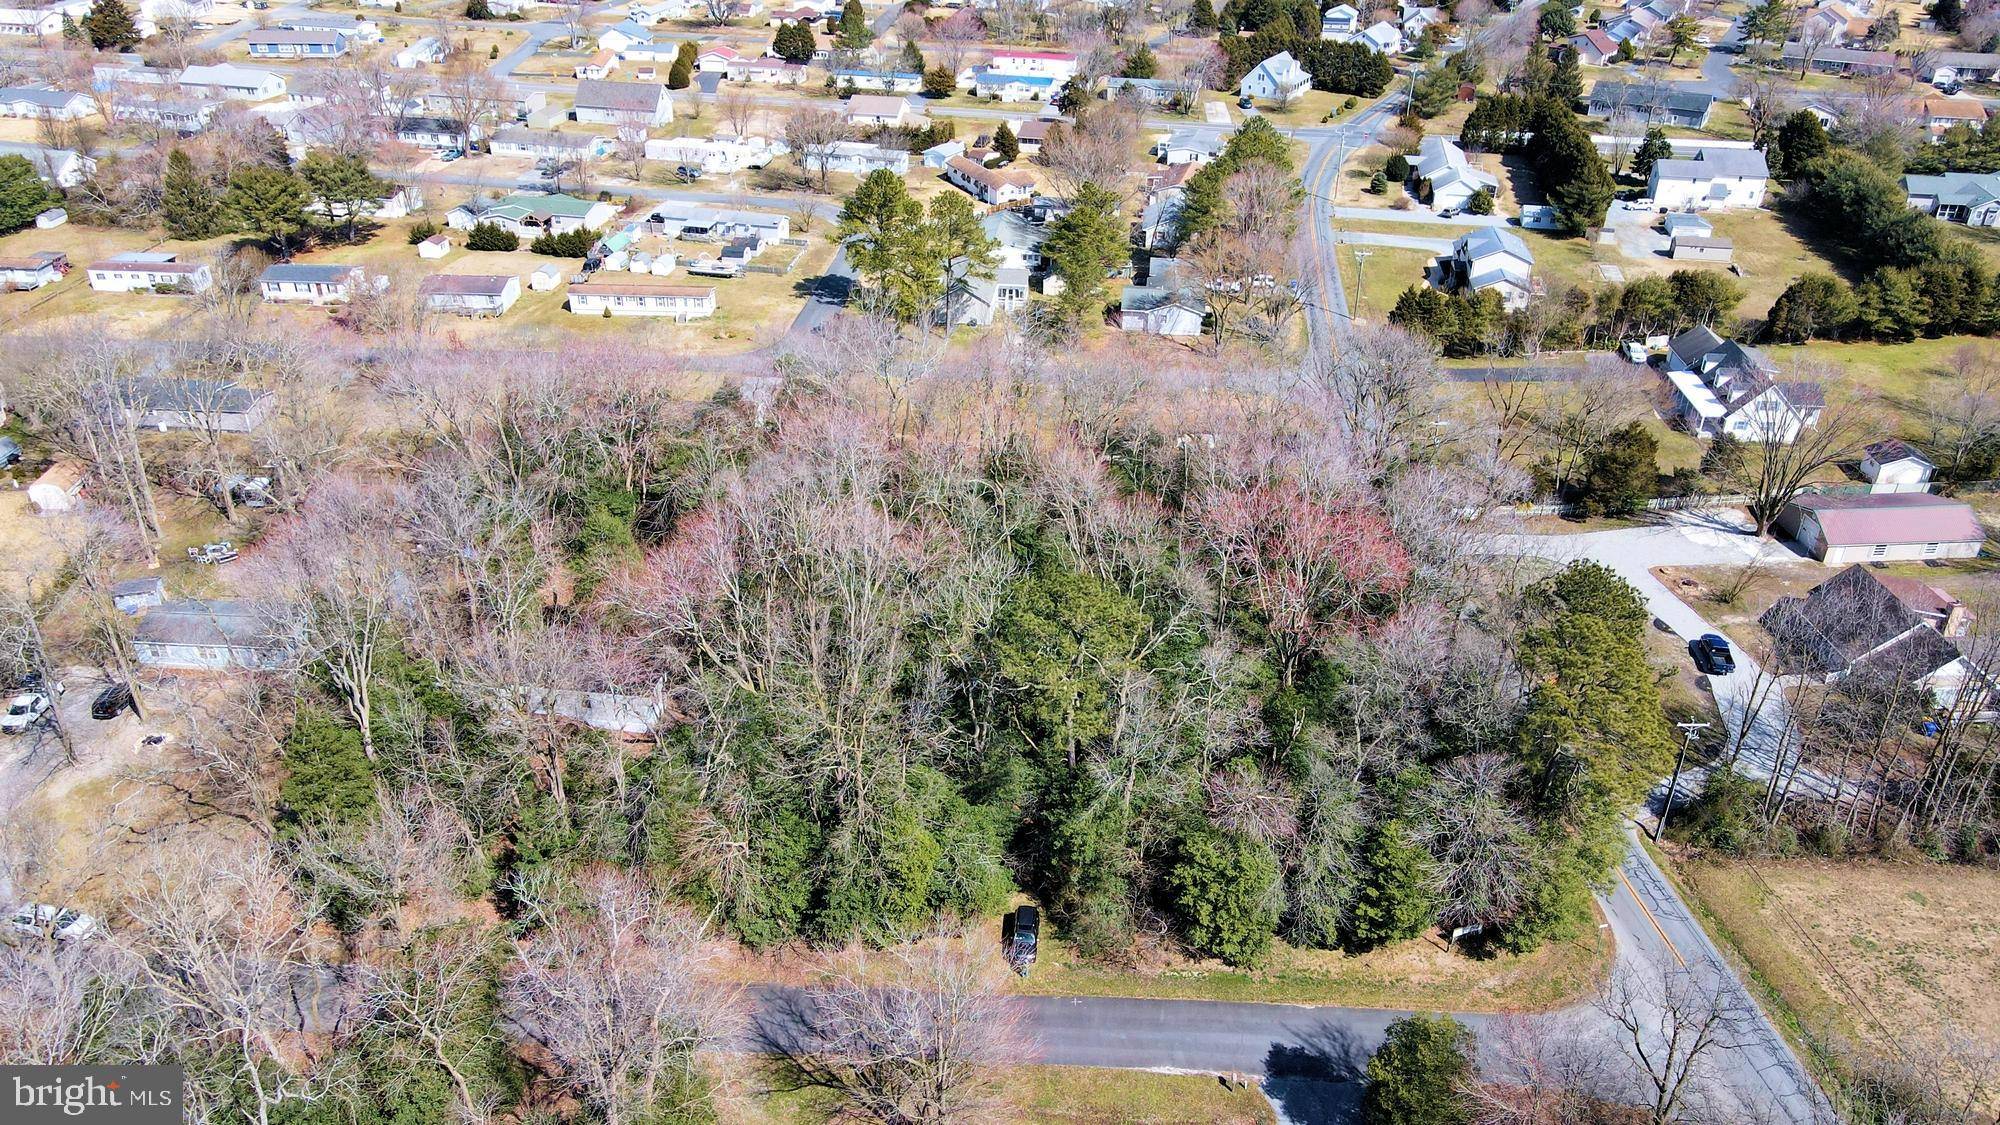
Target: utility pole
1360 256
1688 731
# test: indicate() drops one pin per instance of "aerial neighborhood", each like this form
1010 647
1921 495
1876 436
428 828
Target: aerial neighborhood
649 561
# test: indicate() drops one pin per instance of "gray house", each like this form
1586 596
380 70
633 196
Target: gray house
1655 103
205 637
175 403
1972 198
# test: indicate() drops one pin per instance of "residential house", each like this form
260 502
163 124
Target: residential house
863 80
870 110
1448 179
1638 23
1862 620
45 102
1940 115
1339 23
1489 258
768 71
620 37
211 636
470 294
43 267
1971 198
1882 527
620 294
437 134
1185 146
939 155
600 65
41 21
427 51
284 43
135 594
208 405
531 214
237 83
59 486
1839 60
1726 387
1149 93
396 204
716 59
1383 38
649 12
1719 179
549 144
1017 259
1166 305
1415 19
357 29
714 156
149 271
1700 248
313 284
1835 24
1594 48
1652 103
1031 134
604 102
996 186
179 114
62 167
1892 465
699 222
858 158
1057 65
1159 217
1278 78
1949 68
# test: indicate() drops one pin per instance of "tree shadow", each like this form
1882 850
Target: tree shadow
1317 1077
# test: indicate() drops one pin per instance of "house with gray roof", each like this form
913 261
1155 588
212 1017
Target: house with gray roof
1860 620
600 101
1718 179
1971 198
62 167
304 43
312 284
164 402
1489 258
530 214
1840 60
213 636
42 101
1726 387
1653 103
1448 179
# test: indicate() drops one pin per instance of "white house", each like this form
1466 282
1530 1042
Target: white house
1278 78
871 110
1186 146
205 637
437 134
700 222
311 284
60 166
620 37
424 52
182 115
1415 19
1714 179
1339 23
1861 618
1724 387
622 294
1057 65
213 405
57 489
43 267
470 294
997 186
1383 38
715 156
287 43
237 83
716 59
1972 198
43 101
550 144
434 247
530 214
1490 258
1451 178
153 271
603 102
1003 87
396 204
1896 466
860 158
767 71
38 21
1165 306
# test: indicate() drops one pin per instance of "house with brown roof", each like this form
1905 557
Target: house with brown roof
1882 527
613 294
869 110
58 488
1593 47
470 294
43 267
1862 621
996 186
1939 115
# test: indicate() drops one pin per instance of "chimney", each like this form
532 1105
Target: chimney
1957 619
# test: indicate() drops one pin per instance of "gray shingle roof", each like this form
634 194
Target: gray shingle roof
618 97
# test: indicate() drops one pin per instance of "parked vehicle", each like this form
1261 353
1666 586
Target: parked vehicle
716 267
24 711
213 554
1712 655
111 700
52 922
10 453
1244 102
449 155
1024 931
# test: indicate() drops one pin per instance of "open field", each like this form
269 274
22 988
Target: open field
1057 1095
1891 956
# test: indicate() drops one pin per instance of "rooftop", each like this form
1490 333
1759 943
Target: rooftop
1893 518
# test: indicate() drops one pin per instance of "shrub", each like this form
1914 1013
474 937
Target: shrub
1481 202
1419 1074
1398 167
1224 890
574 244
423 229
1379 185
1724 817
487 236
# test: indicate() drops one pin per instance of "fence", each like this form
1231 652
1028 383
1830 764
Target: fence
1657 504
784 267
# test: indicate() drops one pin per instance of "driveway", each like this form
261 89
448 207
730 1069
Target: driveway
1414 215
1404 241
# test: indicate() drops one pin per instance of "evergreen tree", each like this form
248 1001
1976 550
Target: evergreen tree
1655 148
795 42
1481 202
1083 246
1623 474
1949 14
912 60
110 26
940 82
1556 23
681 74
1140 63
1566 82
342 186
1419 1075
73 33
1397 169
1201 17
1224 887
853 33
1005 144
1396 902
23 195
190 208
875 226
269 203
478 10
1801 140
491 236
328 779
1378 184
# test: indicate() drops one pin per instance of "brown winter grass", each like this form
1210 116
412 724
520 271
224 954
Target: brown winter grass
1057 1095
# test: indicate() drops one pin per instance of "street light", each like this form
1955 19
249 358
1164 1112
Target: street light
1688 731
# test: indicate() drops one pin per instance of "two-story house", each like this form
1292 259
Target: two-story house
1725 387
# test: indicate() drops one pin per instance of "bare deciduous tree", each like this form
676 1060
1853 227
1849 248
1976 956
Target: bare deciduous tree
811 133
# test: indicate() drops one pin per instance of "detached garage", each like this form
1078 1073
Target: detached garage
1884 527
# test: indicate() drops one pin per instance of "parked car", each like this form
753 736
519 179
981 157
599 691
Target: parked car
1024 932
1712 655
10 453
24 711
449 155
112 700
52 921
1244 102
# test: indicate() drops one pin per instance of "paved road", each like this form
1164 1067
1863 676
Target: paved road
1327 317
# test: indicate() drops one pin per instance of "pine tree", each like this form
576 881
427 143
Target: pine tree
1201 17
73 33
110 26
1395 902
854 32
1566 83
23 195
912 61
1949 14
1140 63
1801 140
1655 148
270 203
1083 246
342 186
940 82
1420 1074
795 43
1006 144
681 74
189 206
478 10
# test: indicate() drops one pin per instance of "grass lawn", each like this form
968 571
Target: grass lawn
1903 376
1420 974
1059 1095
125 313
1890 955
1311 109
1387 271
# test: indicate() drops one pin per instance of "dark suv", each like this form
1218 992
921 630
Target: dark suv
1711 654
112 700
